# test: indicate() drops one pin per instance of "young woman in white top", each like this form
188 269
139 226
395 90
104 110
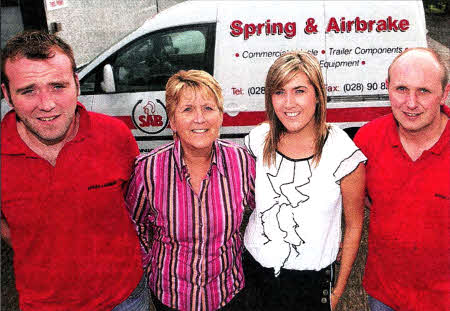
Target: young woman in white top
307 171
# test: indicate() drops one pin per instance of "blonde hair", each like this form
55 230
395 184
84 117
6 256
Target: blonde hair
280 73
195 80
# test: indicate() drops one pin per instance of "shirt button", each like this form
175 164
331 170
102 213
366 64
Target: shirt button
325 292
324 300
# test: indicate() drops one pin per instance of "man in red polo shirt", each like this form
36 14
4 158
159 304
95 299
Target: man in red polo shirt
408 182
63 174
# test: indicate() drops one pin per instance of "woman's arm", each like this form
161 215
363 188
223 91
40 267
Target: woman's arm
352 189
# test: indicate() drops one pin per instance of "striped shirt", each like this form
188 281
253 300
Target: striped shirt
193 259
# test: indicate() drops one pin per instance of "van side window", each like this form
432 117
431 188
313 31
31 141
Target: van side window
88 84
147 64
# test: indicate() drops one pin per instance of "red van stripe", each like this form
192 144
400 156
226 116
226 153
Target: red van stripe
245 118
360 114
252 118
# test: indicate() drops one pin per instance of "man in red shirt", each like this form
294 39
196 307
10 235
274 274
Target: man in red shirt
408 182
63 177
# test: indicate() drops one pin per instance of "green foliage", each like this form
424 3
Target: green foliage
436 6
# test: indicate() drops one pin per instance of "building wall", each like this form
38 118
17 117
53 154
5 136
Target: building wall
11 23
91 26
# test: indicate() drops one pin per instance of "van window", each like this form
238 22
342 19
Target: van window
147 64
88 84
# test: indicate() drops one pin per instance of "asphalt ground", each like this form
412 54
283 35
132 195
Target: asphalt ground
354 298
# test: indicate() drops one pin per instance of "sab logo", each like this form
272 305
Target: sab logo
149 117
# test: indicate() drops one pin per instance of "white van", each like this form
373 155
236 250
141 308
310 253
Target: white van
237 41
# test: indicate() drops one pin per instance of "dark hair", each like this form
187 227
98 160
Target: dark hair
34 45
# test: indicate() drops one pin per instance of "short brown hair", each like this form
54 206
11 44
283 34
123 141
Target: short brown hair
196 80
434 54
34 45
280 73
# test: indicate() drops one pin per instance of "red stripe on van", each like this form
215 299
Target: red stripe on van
251 118
245 118
360 114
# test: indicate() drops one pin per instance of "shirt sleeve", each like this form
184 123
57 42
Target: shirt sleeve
349 154
124 145
361 139
138 205
130 151
132 146
247 144
251 181
255 140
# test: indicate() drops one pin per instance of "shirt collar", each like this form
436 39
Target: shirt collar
12 143
394 137
216 159
445 137
85 126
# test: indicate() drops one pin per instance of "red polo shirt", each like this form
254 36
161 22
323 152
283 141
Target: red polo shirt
408 263
74 245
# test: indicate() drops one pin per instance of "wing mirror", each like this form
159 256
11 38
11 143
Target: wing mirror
108 85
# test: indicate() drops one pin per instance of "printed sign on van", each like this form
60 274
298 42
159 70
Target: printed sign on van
150 117
353 42
289 29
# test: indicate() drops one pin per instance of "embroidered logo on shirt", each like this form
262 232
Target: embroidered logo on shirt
441 196
108 184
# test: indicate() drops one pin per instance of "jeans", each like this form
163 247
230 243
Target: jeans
233 305
139 300
376 305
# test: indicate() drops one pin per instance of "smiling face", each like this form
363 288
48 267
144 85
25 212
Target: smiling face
43 94
295 104
196 120
415 92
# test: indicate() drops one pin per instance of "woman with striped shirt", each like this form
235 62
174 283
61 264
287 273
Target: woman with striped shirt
189 196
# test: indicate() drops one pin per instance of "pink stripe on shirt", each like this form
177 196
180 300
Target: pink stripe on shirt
192 244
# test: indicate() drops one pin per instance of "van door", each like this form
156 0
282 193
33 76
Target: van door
361 43
130 83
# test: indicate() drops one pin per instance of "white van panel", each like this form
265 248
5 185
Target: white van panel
354 61
184 13
242 60
363 56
